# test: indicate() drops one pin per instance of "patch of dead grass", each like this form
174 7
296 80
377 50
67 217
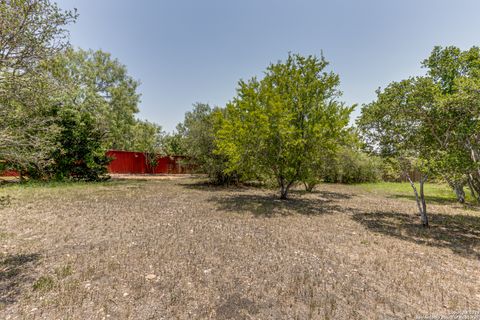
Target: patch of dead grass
167 249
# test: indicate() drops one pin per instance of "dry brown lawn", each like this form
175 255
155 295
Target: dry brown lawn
179 249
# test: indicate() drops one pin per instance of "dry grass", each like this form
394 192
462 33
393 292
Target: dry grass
178 249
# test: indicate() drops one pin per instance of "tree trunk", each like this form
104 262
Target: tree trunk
309 186
284 190
474 181
474 186
283 193
473 192
459 192
422 206
457 187
281 182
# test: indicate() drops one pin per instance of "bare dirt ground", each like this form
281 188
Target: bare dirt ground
178 249
157 176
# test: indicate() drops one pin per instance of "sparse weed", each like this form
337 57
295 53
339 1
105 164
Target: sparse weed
5 235
5 201
63 272
44 284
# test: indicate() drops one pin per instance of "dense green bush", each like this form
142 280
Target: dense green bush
353 166
197 139
81 152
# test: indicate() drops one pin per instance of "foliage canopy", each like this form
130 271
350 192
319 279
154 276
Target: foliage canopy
277 127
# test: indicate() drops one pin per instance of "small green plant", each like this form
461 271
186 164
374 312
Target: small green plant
44 283
5 235
64 271
5 201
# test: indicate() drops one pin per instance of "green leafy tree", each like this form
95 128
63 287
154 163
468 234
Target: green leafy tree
457 72
459 120
81 153
278 127
96 101
446 65
147 138
399 125
198 141
433 120
326 164
31 32
28 132
173 145
101 86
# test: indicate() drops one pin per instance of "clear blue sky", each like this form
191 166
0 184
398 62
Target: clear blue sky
184 51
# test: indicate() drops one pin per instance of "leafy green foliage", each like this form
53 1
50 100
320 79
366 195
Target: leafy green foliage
198 134
60 108
31 32
277 128
432 122
81 155
446 65
101 86
395 125
398 125
457 129
172 145
147 138
353 166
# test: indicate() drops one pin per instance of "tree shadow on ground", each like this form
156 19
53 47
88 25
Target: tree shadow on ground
237 307
270 205
14 273
439 200
325 195
428 199
460 233
206 185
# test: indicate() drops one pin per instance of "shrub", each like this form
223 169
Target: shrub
81 152
353 166
197 139
44 283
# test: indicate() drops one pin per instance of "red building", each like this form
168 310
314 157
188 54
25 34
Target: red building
136 163
128 162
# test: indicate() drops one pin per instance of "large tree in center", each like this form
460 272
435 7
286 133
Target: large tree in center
278 127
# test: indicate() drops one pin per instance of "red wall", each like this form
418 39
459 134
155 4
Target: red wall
134 162
9 173
126 162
